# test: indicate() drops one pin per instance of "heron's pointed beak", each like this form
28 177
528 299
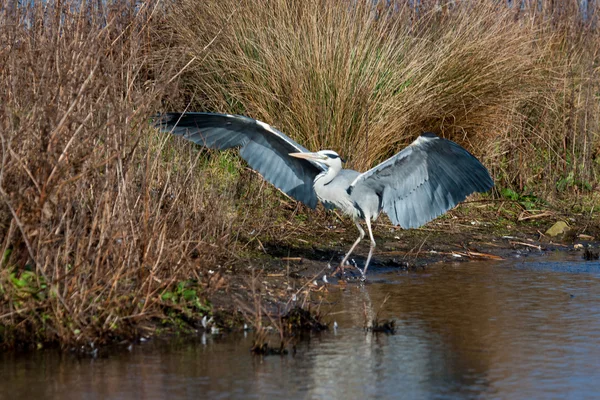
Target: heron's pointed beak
307 156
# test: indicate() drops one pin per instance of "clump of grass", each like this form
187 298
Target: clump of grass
101 217
300 319
375 324
553 146
262 347
382 326
353 76
296 321
270 323
515 85
590 255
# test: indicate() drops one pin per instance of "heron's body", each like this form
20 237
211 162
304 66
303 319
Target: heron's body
331 186
421 182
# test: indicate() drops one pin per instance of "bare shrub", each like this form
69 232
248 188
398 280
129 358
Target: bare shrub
100 214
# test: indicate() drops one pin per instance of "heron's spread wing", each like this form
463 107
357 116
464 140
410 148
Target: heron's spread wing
263 147
424 180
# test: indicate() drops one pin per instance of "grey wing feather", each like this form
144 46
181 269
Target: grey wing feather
263 147
424 180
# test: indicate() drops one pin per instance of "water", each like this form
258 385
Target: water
518 329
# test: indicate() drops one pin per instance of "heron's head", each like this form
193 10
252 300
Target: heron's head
326 157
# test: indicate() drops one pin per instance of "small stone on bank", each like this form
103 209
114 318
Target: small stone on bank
559 228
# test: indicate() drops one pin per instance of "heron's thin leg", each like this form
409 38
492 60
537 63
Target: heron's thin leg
361 235
364 271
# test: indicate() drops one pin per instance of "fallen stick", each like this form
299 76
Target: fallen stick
534 216
484 255
473 254
539 247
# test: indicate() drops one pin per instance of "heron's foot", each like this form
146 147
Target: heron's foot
362 274
339 271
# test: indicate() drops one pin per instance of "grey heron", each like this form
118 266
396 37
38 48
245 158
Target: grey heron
421 182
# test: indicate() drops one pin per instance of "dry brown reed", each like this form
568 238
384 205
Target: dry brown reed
517 85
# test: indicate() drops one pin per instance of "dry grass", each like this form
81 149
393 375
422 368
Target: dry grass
553 145
518 89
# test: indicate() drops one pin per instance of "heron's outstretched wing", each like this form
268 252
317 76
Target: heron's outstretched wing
263 147
424 180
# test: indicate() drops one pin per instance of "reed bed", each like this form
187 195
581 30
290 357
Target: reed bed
517 85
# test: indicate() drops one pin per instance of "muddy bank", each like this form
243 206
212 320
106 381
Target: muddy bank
278 276
283 272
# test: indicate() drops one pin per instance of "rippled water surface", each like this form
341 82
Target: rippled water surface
513 329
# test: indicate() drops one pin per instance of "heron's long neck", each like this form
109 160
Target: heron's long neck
327 176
